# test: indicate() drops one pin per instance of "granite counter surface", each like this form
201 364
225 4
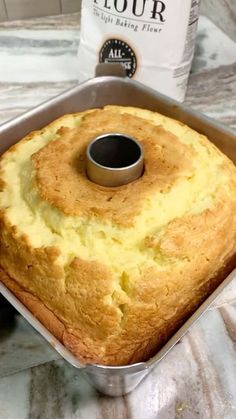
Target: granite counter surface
198 377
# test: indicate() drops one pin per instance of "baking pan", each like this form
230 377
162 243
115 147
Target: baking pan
98 92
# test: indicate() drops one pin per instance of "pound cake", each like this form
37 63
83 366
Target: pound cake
114 272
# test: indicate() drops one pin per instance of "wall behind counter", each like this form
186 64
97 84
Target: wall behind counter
23 9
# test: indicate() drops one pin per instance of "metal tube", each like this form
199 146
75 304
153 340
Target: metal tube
114 159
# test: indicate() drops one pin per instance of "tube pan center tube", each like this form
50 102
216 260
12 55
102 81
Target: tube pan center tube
114 159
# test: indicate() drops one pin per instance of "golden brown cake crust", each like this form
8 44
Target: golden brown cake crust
61 172
119 317
130 352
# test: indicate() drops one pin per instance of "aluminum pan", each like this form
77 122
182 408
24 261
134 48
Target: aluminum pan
99 92
111 90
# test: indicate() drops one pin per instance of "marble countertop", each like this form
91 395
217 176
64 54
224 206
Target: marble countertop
197 379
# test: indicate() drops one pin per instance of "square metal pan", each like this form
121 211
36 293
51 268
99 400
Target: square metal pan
98 92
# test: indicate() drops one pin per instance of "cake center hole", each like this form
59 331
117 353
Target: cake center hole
115 151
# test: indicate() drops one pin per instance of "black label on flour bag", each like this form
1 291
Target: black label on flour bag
118 51
152 39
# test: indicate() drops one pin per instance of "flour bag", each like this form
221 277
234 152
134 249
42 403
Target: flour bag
154 40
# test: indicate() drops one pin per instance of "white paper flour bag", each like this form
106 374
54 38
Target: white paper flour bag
154 40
